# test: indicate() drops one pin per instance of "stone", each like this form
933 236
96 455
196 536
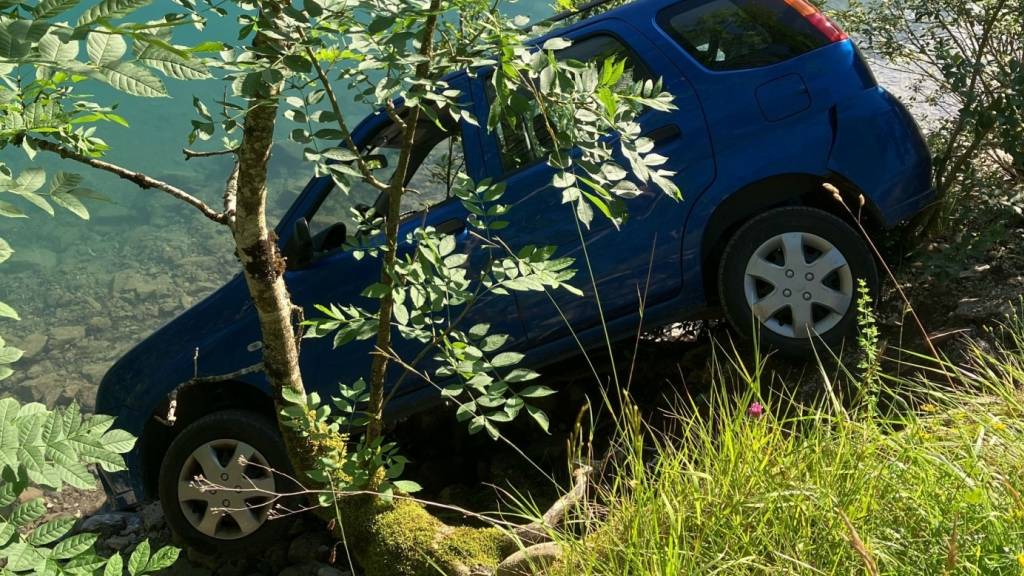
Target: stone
100 324
127 282
313 569
152 516
104 524
310 547
30 493
66 334
33 258
94 372
33 344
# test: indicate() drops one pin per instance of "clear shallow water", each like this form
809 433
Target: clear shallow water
88 291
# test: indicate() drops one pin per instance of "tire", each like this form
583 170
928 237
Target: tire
797 306
212 442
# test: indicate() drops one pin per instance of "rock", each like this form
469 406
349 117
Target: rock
310 548
34 258
100 324
152 516
66 334
94 372
313 569
105 524
977 309
30 493
117 215
120 543
33 344
127 282
43 389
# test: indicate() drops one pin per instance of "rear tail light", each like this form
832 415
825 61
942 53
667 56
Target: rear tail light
821 22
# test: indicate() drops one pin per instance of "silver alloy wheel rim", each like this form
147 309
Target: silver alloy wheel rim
798 284
244 487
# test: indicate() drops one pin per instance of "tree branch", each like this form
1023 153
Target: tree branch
537 532
190 154
346 135
530 561
139 179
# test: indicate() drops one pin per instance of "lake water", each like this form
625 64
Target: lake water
87 291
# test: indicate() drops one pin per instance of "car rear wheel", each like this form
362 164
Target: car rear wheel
217 481
792 275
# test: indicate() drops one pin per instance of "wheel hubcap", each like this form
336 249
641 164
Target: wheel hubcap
245 486
798 284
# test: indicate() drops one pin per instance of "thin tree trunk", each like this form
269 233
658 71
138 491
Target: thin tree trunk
379 365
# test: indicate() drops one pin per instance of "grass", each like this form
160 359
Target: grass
909 479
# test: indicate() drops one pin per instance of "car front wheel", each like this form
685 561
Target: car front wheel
792 275
218 481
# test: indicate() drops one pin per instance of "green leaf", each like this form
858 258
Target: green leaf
539 416
10 210
74 546
110 9
5 373
22 557
536 392
7 531
173 65
557 44
506 359
163 558
38 200
50 531
10 355
8 312
52 49
521 375
5 250
14 42
117 441
407 486
71 203
105 48
133 79
49 8
30 180
139 559
28 512
115 566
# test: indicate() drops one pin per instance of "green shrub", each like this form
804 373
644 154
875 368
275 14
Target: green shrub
51 449
756 485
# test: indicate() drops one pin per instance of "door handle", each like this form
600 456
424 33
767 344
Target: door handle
663 134
452 226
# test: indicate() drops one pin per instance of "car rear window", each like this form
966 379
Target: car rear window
738 34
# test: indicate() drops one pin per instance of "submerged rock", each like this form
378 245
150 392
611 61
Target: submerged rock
66 334
33 344
34 258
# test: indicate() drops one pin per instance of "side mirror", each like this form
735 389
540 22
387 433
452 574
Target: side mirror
299 250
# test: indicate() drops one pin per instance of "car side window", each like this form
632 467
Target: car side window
435 163
740 34
527 141
435 176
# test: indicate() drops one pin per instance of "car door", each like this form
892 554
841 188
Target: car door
640 260
340 276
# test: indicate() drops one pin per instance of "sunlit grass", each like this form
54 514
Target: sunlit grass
757 483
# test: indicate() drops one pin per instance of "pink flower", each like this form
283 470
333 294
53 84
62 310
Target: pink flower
756 410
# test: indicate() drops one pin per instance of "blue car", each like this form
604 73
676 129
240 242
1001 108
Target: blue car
773 100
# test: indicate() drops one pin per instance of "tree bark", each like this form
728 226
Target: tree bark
379 365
